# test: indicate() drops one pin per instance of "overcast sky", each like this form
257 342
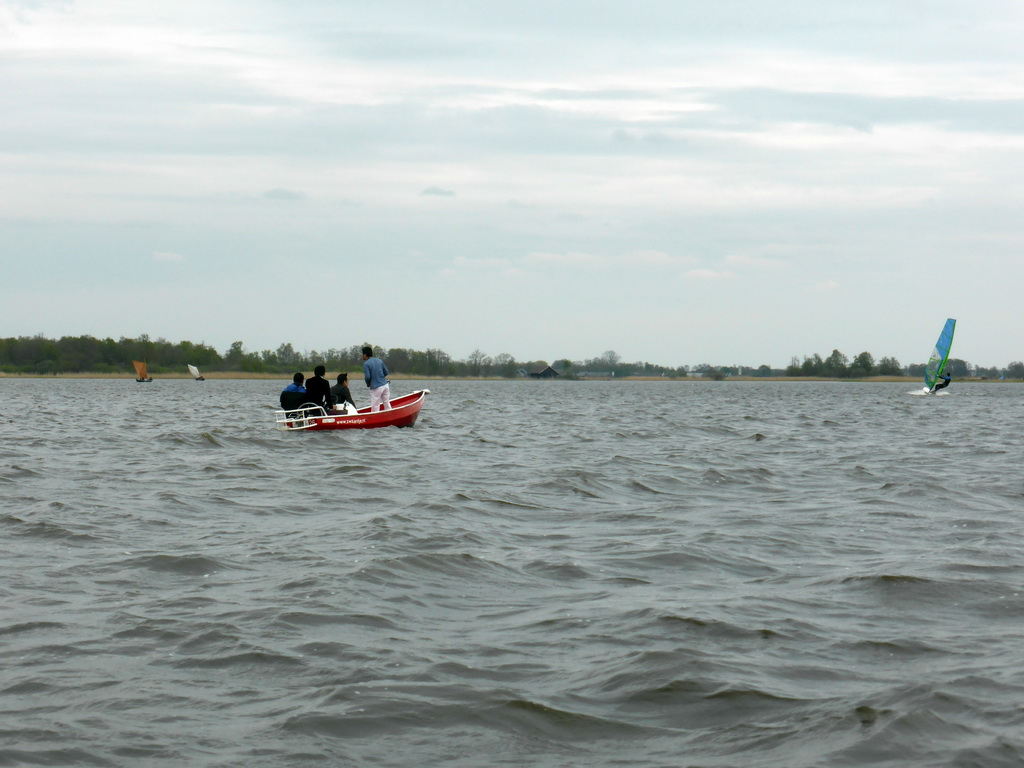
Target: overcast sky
680 182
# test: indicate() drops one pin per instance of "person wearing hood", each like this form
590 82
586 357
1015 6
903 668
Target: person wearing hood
294 395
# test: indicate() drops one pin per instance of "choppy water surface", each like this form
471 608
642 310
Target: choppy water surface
537 573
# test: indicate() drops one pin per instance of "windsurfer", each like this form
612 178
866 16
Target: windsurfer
943 382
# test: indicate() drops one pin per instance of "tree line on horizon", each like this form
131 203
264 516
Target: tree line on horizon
86 354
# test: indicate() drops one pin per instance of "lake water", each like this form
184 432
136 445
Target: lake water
639 574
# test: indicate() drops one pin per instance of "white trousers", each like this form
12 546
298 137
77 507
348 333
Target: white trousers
380 399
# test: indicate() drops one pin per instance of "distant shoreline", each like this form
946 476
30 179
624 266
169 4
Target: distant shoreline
356 376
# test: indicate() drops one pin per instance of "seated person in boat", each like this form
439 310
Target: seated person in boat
294 395
318 389
341 395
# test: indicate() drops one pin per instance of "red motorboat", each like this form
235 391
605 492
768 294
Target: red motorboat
403 413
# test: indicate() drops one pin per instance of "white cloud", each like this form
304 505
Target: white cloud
708 274
750 260
565 259
167 257
480 263
284 194
650 258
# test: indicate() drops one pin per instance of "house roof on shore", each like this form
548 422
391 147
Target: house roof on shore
545 372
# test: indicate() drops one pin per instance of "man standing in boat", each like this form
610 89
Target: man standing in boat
375 373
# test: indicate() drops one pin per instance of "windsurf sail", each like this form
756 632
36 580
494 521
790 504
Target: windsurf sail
193 370
940 355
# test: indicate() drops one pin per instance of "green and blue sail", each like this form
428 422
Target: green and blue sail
940 355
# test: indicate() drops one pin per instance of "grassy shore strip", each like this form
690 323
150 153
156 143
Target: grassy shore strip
355 377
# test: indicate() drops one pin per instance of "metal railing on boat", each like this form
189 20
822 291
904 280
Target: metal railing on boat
299 418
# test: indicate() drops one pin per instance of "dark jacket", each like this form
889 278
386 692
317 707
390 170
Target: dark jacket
318 391
341 394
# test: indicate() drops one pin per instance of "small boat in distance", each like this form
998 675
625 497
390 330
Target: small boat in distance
313 418
195 372
141 374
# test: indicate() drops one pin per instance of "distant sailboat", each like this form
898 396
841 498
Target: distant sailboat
195 373
141 374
